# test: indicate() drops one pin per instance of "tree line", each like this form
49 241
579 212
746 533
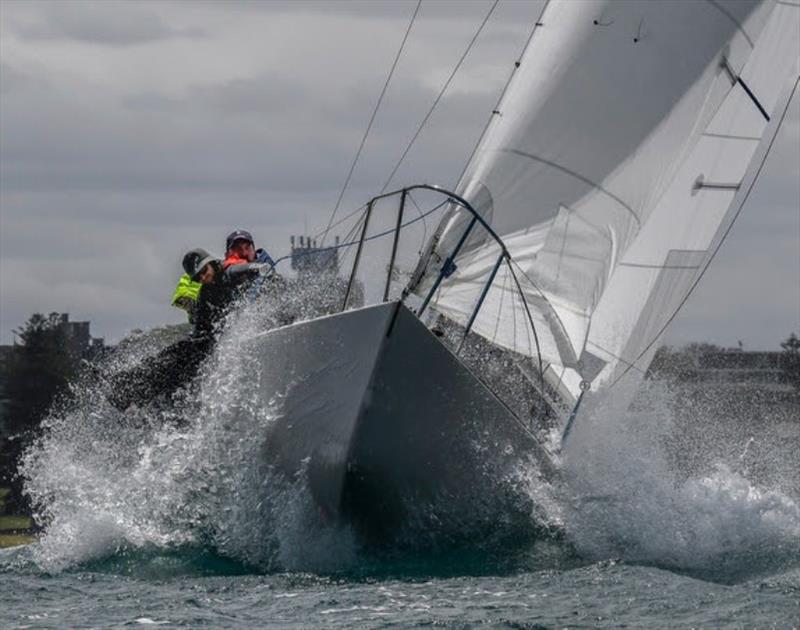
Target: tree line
37 371
687 363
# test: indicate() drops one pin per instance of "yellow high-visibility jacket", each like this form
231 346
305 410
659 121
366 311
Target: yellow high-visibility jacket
186 293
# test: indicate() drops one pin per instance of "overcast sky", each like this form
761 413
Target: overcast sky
133 131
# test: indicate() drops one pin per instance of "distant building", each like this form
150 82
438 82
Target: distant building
739 366
79 339
308 258
318 276
81 343
705 363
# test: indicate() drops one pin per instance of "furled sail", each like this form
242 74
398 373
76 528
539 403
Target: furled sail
618 155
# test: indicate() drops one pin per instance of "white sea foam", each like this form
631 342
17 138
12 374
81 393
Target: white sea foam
107 481
630 492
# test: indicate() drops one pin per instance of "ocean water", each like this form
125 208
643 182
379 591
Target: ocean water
682 510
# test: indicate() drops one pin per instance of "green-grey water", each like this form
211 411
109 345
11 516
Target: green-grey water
604 594
682 510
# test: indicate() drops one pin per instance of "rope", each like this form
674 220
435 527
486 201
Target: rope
371 120
350 215
438 98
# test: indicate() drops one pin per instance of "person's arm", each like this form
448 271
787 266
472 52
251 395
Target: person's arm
236 275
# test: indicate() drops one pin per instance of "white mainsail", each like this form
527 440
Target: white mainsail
620 152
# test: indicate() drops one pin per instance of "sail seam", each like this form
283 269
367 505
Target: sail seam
647 266
596 228
574 256
578 176
728 15
563 244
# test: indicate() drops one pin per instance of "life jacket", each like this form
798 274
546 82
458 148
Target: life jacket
233 259
187 289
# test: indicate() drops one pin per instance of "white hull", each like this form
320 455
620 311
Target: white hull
395 433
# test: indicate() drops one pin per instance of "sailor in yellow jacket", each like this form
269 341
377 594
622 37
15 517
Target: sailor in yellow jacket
185 296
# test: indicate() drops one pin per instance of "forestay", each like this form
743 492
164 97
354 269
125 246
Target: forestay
620 152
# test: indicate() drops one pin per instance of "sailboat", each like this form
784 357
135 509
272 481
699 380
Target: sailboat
621 152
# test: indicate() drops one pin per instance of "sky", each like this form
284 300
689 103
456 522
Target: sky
132 131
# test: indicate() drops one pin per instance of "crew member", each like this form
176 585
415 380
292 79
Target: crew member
215 293
161 375
240 248
247 267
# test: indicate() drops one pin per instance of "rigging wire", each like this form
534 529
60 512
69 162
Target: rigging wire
331 224
351 234
371 120
530 318
721 241
632 366
439 97
349 215
424 238
352 231
500 306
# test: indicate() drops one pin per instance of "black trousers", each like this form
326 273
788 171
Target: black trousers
161 375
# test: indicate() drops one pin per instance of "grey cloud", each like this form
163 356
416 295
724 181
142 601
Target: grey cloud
11 80
262 133
266 94
750 292
114 257
126 23
111 22
113 183
383 10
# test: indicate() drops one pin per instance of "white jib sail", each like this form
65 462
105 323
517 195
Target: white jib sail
609 171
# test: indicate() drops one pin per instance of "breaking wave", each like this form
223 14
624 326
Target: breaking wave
686 479
192 475
701 489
